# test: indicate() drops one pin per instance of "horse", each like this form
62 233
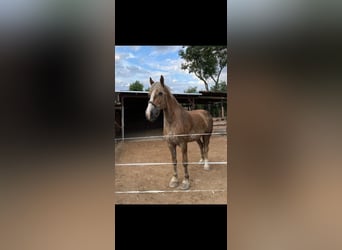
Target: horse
180 127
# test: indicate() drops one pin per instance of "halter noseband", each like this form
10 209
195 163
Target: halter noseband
153 104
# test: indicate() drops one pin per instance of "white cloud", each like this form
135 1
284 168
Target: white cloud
136 48
162 50
124 56
130 55
168 65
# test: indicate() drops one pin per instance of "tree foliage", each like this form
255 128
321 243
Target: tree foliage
136 86
220 87
206 62
191 90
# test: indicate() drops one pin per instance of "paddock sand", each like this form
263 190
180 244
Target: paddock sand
148 183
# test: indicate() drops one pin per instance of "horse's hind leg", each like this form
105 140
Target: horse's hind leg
200 144
206 139
174 180
186 181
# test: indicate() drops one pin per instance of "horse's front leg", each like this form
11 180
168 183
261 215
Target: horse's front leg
186 181
174 180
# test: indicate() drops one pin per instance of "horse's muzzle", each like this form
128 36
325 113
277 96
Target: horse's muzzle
152 112
155 112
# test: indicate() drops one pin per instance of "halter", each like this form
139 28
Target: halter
153 104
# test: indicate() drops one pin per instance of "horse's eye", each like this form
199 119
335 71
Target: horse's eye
160 93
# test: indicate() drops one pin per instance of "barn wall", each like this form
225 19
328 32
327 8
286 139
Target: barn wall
135 123
135 120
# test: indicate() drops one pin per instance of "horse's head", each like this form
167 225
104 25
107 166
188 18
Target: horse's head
157 101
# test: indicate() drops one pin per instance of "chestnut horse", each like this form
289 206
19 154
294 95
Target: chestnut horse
180 127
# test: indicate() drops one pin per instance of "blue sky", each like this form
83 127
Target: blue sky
139 63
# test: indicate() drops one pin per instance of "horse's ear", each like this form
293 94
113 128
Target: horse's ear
151 81
162 80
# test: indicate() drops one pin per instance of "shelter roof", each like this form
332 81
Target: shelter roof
201 97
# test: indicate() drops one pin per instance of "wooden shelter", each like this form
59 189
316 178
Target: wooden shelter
130 108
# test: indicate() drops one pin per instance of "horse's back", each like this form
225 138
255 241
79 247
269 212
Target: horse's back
202 120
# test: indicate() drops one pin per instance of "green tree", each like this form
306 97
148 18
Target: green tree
220 87
191 90
136 86
206 62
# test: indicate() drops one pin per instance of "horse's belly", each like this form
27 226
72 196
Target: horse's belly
173 139
193 137
176 139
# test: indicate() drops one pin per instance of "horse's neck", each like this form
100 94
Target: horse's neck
173 110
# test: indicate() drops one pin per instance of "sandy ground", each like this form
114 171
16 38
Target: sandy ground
148 183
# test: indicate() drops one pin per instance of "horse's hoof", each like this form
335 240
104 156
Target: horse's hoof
173 182
185 185
201 161
206 167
